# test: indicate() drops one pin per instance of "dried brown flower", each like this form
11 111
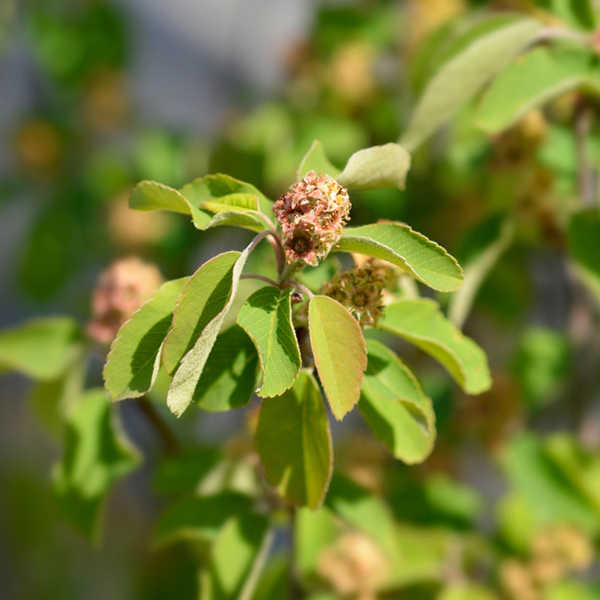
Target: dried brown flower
312 217
360 290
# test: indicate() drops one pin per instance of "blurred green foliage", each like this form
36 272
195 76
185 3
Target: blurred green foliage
506 507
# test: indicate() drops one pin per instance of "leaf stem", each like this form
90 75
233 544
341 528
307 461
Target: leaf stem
552 33
298 285
261 278
249 588
583 123
167 438
275 241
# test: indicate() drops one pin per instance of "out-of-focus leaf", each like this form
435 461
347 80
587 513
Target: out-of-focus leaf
471 65
580 468
363 510
316 160
184 472
274 584
376 167
542 363
236 557
52 401
368 169
467 591
531 81
200 518
452 498
569 590
294 443
340 352
40 348
210 290
517 521
421 323
575 13
394 406
314 530
229 376
267 319
477 269
534 475
584 244
134 358
96 456
400 245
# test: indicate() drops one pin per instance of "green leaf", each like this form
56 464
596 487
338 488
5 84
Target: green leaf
575 13
294 443
376 167
229 376
40 348
583 237
534 475
543 364
237 556
96 455
313 531
477 270
267 319
151 195
216 191
134 358
340 352
463 75
218 187
316 160
52 401
232 201
365 511
531 81
200 312
368 169
467 591
184 471
395 407
200 519
202 299
421 323
400 245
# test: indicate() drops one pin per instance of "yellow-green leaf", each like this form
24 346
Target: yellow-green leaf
466 72
294 443
340 352
421 322
212 295
267 319
412 251
395 407
134 358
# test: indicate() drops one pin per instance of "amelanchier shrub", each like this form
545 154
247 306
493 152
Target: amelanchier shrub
311 334
181 327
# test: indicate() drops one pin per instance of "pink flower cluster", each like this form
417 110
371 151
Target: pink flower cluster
312 217
122 289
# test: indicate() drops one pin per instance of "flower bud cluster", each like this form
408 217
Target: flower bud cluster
360 290
121 290
312 217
